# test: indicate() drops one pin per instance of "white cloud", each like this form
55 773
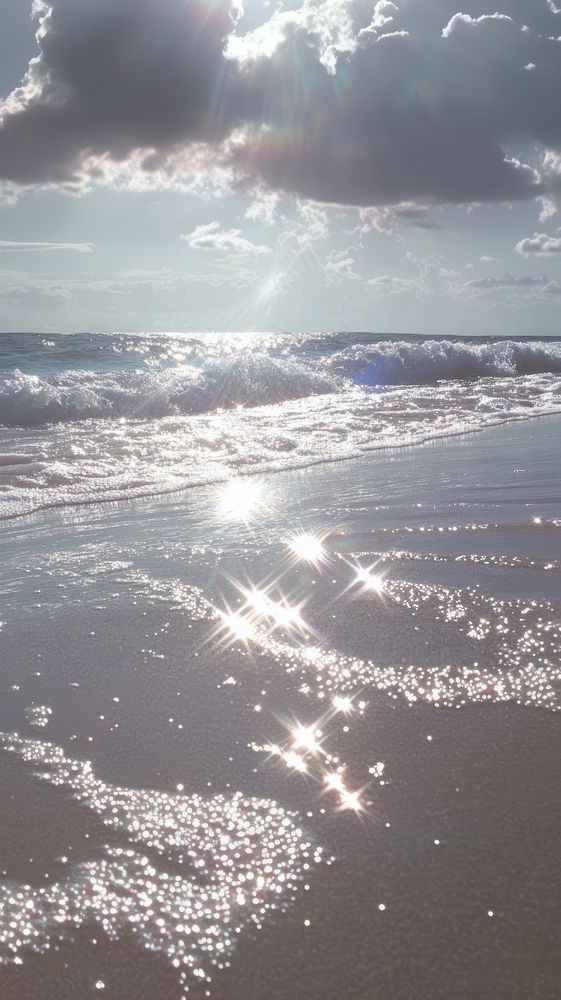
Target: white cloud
16 246
465 20
387 284
311 224
264 208
539 245
329 28
23 290
212 237
507 280
340 264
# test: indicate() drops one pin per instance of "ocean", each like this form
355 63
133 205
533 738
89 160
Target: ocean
280 667
91 417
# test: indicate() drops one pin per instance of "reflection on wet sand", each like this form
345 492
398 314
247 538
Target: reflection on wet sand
212 866
517 644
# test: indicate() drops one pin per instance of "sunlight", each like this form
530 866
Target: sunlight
295 761
350 800
307 547
240 500
369 580
280 613
342 703
305 738
234 627
334 782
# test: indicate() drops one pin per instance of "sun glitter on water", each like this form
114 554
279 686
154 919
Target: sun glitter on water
309 548
368 580
241 500
217 865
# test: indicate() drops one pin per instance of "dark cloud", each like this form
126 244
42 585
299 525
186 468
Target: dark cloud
416 102
417 218
112 77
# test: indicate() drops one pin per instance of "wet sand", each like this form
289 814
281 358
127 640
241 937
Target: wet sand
439 879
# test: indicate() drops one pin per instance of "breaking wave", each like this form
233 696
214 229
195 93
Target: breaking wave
225 374
429 361
158 413
246 380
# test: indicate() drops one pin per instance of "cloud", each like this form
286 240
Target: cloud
14 246
539 245
387 284
386 219
340 264
507 280
211 237
329 101
21 290
417 218
264 207
460 21
529 285
311 225
111 78
358 141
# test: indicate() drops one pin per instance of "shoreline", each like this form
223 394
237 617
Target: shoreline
446 865
364 453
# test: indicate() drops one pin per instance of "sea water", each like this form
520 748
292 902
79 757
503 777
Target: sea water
90 417
262 733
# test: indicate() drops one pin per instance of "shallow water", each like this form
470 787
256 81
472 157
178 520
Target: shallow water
357 665
87 417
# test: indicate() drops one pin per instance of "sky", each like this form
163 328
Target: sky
269 165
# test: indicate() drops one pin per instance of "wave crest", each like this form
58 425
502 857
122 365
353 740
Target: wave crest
429 361
245 380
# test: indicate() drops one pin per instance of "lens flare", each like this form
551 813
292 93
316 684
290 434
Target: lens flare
234 627
306 738
350 800
368 580
276 613
308 548
334 782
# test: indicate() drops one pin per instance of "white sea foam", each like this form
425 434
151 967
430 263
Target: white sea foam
226 410
253 377
421 363
30 400
89 461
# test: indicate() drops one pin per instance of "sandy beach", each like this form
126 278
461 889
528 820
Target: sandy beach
280 500
378 715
